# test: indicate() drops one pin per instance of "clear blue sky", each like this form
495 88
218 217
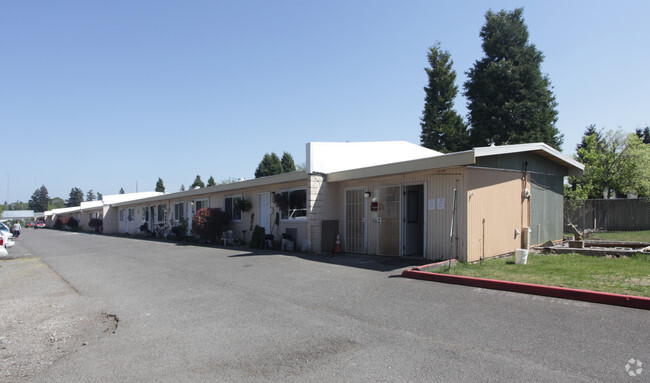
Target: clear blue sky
101 95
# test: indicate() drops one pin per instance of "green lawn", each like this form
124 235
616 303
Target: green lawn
637 236
624 275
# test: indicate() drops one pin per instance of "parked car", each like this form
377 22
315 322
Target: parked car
3 251
39 225
7 237
29 224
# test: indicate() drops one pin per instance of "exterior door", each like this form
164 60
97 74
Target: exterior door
355 221
388 221
413 220
264 215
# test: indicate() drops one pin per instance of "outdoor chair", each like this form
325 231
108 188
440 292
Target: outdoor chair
226 238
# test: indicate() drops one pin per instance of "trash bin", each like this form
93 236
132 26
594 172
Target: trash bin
521 256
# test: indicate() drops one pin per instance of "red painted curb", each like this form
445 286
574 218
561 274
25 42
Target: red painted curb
528 288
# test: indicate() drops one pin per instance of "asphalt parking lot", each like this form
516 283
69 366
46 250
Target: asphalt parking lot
192 313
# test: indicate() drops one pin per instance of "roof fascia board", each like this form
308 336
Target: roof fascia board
575 168
256 182
437 162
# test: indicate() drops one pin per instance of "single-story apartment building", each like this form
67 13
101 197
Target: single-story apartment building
386 198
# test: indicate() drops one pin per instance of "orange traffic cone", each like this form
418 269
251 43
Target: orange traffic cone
337 245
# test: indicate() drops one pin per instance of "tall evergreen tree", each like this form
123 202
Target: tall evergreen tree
121 190
644 134
75 198
442 128
160 186
40 199
211 181
197 182
270 165
288 165
90 195
100 196
590 130
182 188
509 99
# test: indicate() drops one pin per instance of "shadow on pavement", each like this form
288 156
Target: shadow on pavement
362 261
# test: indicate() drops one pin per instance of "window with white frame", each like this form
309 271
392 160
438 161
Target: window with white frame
201 203
231 208
145 215
131 215
293 204
162 211
179 211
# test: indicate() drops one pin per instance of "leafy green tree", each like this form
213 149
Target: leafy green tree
121 190
288 165
18 205
230 180
40 199
75 198
634 171
509 99
442 128
160 186
197 182
589 131
90 195
270 165
614 165
211 181
56 203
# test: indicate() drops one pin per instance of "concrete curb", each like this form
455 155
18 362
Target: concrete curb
527 288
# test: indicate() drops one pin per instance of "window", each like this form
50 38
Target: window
293 204
162 212
231 209
200 204
121 214
131 215
178 211
145 215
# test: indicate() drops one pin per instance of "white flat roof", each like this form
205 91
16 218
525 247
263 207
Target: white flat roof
330 157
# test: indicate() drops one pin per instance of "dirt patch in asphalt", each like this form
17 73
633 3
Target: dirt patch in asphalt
43 319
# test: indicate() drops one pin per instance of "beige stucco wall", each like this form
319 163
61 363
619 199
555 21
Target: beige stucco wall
496 197
217 200
437 185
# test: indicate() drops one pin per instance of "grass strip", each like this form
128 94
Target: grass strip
622 275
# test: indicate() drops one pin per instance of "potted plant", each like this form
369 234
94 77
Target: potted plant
281 201
243 204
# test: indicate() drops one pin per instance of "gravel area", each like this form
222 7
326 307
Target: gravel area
43 319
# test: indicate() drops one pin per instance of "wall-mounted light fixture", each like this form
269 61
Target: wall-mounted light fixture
366 194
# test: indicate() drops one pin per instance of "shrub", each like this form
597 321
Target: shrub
209 223
58 224
257 237
95 223
72 223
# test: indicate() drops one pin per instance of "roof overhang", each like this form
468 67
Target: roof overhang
574 167
257 182
437 162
